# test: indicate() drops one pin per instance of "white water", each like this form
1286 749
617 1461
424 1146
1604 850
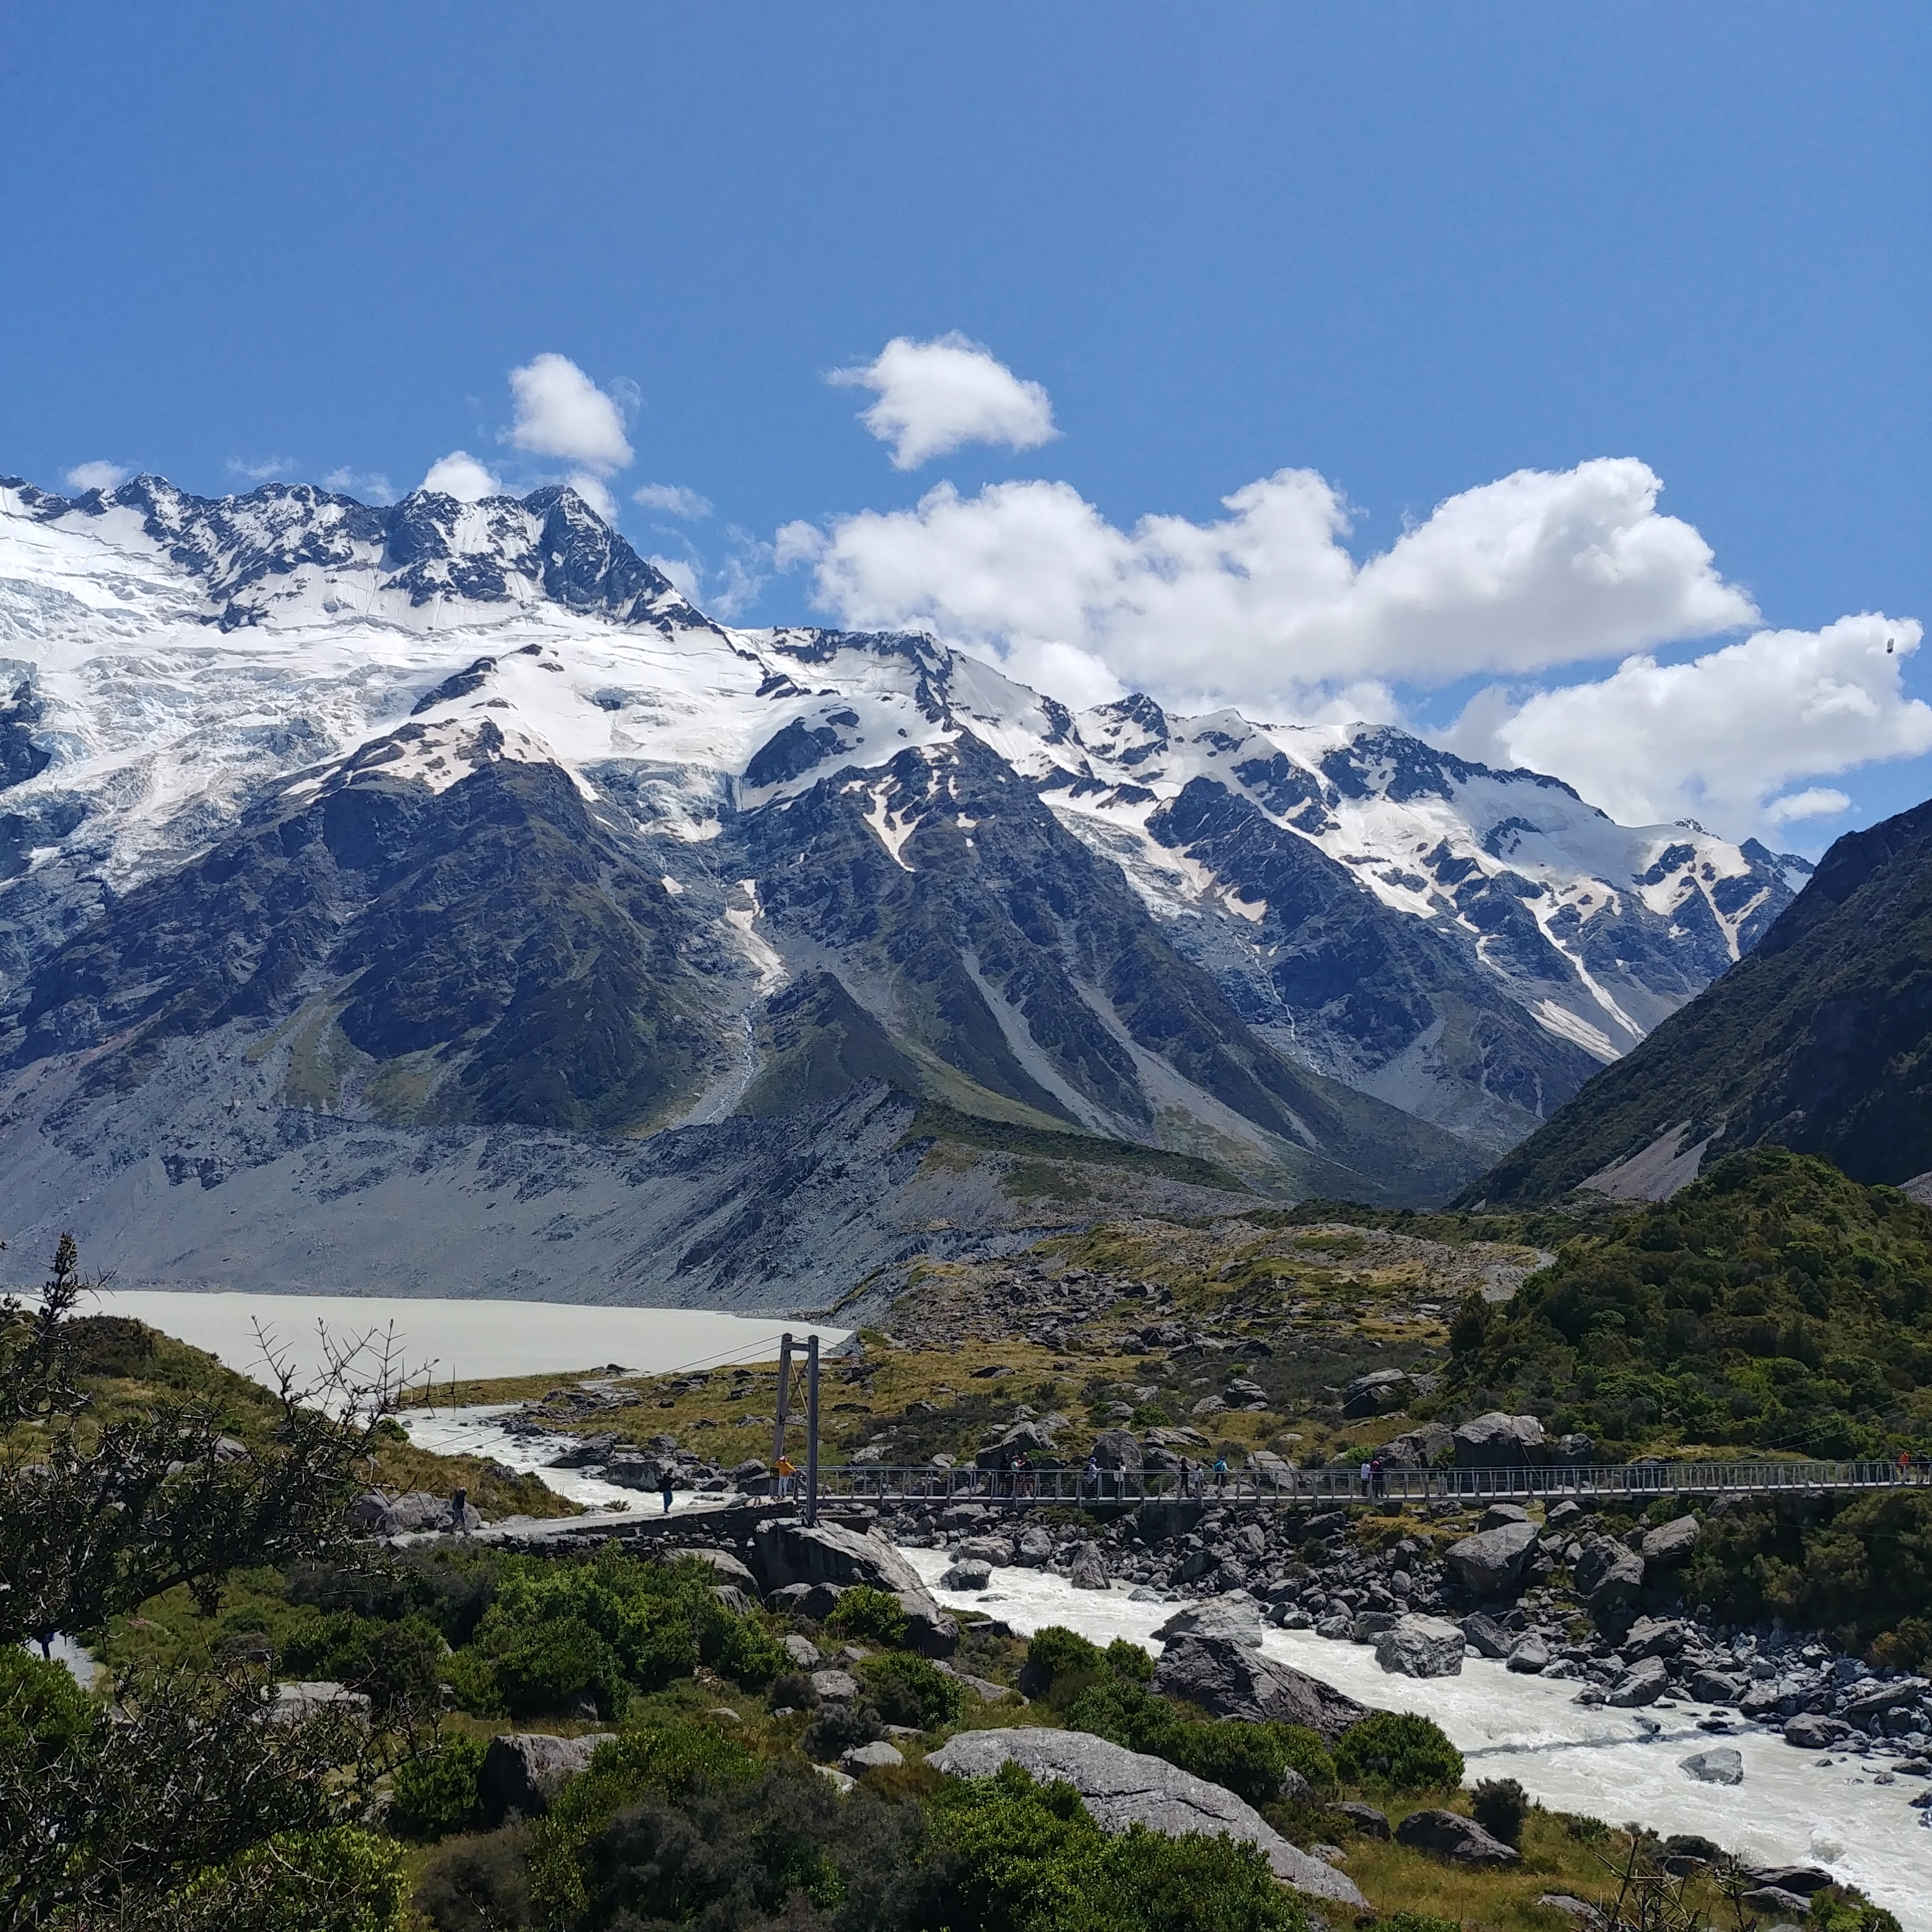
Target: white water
1569 1756
473 1340
478 1431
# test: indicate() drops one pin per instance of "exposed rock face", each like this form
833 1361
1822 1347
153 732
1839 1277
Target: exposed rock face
1607 1573
969 1572
1530 1658
292 1702
871 1757
523 1771
1421 1647
1228 1679
1380 1392
1491 1560
1117 1449
1671 1542
1714 1687
1723 1766
1366 1819
1500 1441
1488 1635
1419 1448
1451 1836
1088 1572
1120 1788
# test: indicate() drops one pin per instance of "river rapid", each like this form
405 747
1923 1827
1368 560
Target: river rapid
1569 1756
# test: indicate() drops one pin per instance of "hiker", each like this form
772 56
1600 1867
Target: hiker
665 1489
1377 1480
1368 1475
787 1473
1220 1475
1089 1477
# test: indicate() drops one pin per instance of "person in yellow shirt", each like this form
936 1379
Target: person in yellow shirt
787 1473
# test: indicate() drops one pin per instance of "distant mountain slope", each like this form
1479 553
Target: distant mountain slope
440 818
1821 1040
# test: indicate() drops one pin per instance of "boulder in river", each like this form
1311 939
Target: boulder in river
1121 1788
1451 1836
1808 1732
969 1572
1488 1635
1530 1658
1724 1766
796 1552
1490 1561
1089 1572
1421 1647
1228 1680
1643 1683
1714 1687
1236 1616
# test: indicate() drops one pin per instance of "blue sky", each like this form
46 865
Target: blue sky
1411 248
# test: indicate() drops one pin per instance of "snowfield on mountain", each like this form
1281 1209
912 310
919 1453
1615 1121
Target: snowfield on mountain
350 856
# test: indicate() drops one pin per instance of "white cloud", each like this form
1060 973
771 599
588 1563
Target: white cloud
268 468
370 486
97 476
593 491
672 499
682 573
934 396
796 543
561 412
1719 736
1820 802
460 475
1536 570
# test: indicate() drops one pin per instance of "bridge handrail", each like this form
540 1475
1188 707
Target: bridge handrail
1288 1487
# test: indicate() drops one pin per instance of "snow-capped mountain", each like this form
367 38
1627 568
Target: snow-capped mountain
443 814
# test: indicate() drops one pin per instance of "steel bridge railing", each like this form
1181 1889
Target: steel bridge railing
1306 1488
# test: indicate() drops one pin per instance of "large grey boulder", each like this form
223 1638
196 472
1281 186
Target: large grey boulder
1236 1616
523 1771
1490 1561
1227 1679
969 1572
728 1567
1121 1788
1380 1392
1418 1448
793 1553
1088 1570
1500 1441
1643 1683
1488 1635
291 1703
1882 1699
1117 1449
1654 1637
1451 1836
1724 1766
1671 1542
1530 1658
1421 1647
1714 1687
1607 1573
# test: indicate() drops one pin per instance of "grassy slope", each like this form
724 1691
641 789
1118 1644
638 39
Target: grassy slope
1774 1306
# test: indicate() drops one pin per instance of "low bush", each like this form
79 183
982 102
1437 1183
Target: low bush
907 1690
479 1885
794 1690
1499 1805
435 1794
1399 1750
837 1727
342 1879
863 1615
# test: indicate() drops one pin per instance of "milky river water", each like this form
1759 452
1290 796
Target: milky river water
1570 1757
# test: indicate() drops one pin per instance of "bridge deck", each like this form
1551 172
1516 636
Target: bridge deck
1290 1489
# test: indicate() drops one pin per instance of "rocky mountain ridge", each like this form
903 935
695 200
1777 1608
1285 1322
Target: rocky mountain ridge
447 815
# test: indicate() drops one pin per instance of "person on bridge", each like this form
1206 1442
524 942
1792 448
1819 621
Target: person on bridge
1220 1474
665 1489
787 1472
1368 1475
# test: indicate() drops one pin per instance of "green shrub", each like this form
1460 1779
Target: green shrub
553 1666
396 1664
1499 1805
1129 1662
671 1761
42 1709
749 1654
837 1727
1243 1758
863 1615
1060 1664
1302 1750
1400 1750
437 1794
1417 1922
478 1884
341 1880
907 1690
793 1691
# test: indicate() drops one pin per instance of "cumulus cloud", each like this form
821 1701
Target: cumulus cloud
672 499
934 397
370 486
1818 801
264 471
1535 570
460 475
97 476
1719 737
560 412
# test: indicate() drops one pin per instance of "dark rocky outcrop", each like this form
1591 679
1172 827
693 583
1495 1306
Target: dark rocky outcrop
1227 1679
